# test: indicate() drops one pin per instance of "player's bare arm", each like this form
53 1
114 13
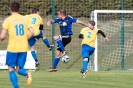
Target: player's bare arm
3 34
50 22
82 23
31 32
102 33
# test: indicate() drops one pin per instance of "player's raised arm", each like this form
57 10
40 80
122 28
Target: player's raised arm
3 34
82 23
50 22
102 33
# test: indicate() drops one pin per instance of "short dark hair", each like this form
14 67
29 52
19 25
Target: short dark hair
92 22
14 6
35 10
63 12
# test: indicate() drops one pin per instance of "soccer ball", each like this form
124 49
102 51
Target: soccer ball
65 59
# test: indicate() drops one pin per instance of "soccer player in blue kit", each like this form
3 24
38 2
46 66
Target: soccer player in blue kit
65 23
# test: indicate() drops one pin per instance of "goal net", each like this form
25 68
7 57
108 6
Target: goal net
118 52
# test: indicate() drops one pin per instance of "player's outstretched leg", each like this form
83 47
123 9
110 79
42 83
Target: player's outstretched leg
60 44
84 69
34 55
26 73
14 79
45 40
32 42
53 69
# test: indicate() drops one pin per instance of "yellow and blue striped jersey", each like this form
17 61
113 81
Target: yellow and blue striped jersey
17 27
89 36
35 21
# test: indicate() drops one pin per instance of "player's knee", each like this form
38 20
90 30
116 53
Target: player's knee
17 70
56 37
10 69
43 37
86 59
32 48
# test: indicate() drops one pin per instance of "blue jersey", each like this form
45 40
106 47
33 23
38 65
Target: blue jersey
65 25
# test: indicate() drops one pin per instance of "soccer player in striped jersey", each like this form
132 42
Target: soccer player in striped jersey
65 23
17 27
37 24
88 36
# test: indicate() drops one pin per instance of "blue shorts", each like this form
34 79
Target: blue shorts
32 40
16 59
87 51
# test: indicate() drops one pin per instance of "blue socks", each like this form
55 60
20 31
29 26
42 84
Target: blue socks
56 61
33 53
85 64
14 79
46 42
59 42
22 72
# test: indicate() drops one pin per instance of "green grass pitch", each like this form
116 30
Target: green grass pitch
65 78
70 77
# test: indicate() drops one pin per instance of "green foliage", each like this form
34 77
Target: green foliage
76 8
